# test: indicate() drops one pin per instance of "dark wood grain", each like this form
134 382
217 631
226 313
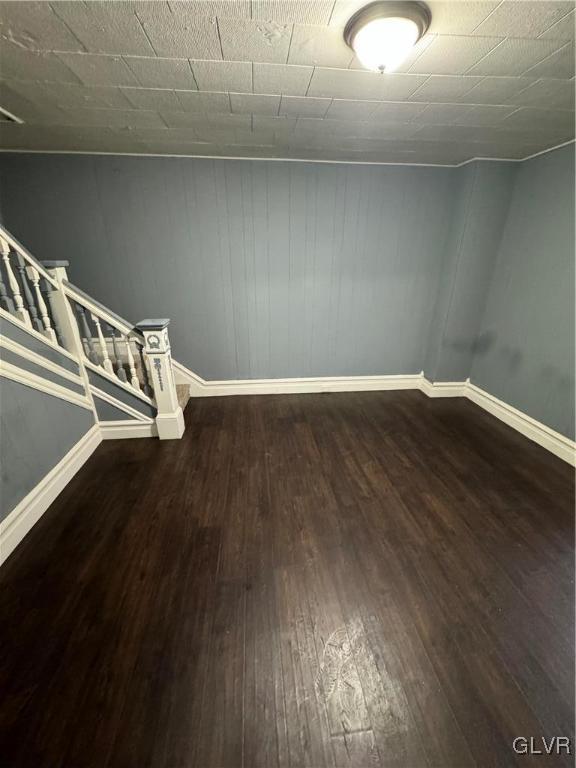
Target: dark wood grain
372 579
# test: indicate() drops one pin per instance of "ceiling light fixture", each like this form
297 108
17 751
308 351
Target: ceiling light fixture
382 34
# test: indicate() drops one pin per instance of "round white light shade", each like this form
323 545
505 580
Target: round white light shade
383 44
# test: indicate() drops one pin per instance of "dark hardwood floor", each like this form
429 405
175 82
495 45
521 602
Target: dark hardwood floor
372 579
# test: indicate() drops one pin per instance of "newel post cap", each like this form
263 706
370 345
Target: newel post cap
55 264
153 324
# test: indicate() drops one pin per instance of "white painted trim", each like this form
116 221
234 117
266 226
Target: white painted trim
37 335
183 375
115 380
11 116
443 388
120 405
123 430
32 507
288 159
29 379
33 357
548 438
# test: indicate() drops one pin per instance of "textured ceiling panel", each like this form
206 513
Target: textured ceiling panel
293 11
453 55
496 90
281 79
514 57
92 69
162 73
35 26
223 75
523 19
104 27
444 88
255 40
351 84
319 47
300 106
274 78
254 103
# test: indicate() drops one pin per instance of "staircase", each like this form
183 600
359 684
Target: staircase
78 349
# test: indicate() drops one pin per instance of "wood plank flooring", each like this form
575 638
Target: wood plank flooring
371 579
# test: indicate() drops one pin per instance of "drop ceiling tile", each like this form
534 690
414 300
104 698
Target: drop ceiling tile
214 120
348 109
105 27
118 118
514 57
350 84
496 90
293 11
304 106
161 73
483 115
442 114
391 112
319 47
225 9
27 100
247 40
23 64
444 88
524 117
223 75
458 18
179 31
152 98
255 103
70 95
203 101
449 133
277 126
453 55
563 29
288 80
555 94
522 19
96 69
35 26
559 64
384 130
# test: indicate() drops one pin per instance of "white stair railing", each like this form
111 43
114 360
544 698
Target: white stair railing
135 358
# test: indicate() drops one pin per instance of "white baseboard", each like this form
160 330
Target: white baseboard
32 507
123 430
443 388
553 441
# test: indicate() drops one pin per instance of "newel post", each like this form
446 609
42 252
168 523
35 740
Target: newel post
63 315
170 419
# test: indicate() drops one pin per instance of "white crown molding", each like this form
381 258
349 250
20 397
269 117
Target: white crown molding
127 430
34 504
443 388
22 376
286 159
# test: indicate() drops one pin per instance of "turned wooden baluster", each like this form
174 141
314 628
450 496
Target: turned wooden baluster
120 372
21 268
86 336
5 300
146 388
34 276
131 365
106 362
20 310
48 290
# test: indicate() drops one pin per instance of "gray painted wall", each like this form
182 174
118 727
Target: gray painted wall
36 431
525 351
479 215
267 269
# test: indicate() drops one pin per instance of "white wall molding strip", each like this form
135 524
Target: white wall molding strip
32 507
123 430
128 410
29 379
34 357
548 438
37 335
443 388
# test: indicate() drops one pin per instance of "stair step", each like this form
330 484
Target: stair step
183 392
